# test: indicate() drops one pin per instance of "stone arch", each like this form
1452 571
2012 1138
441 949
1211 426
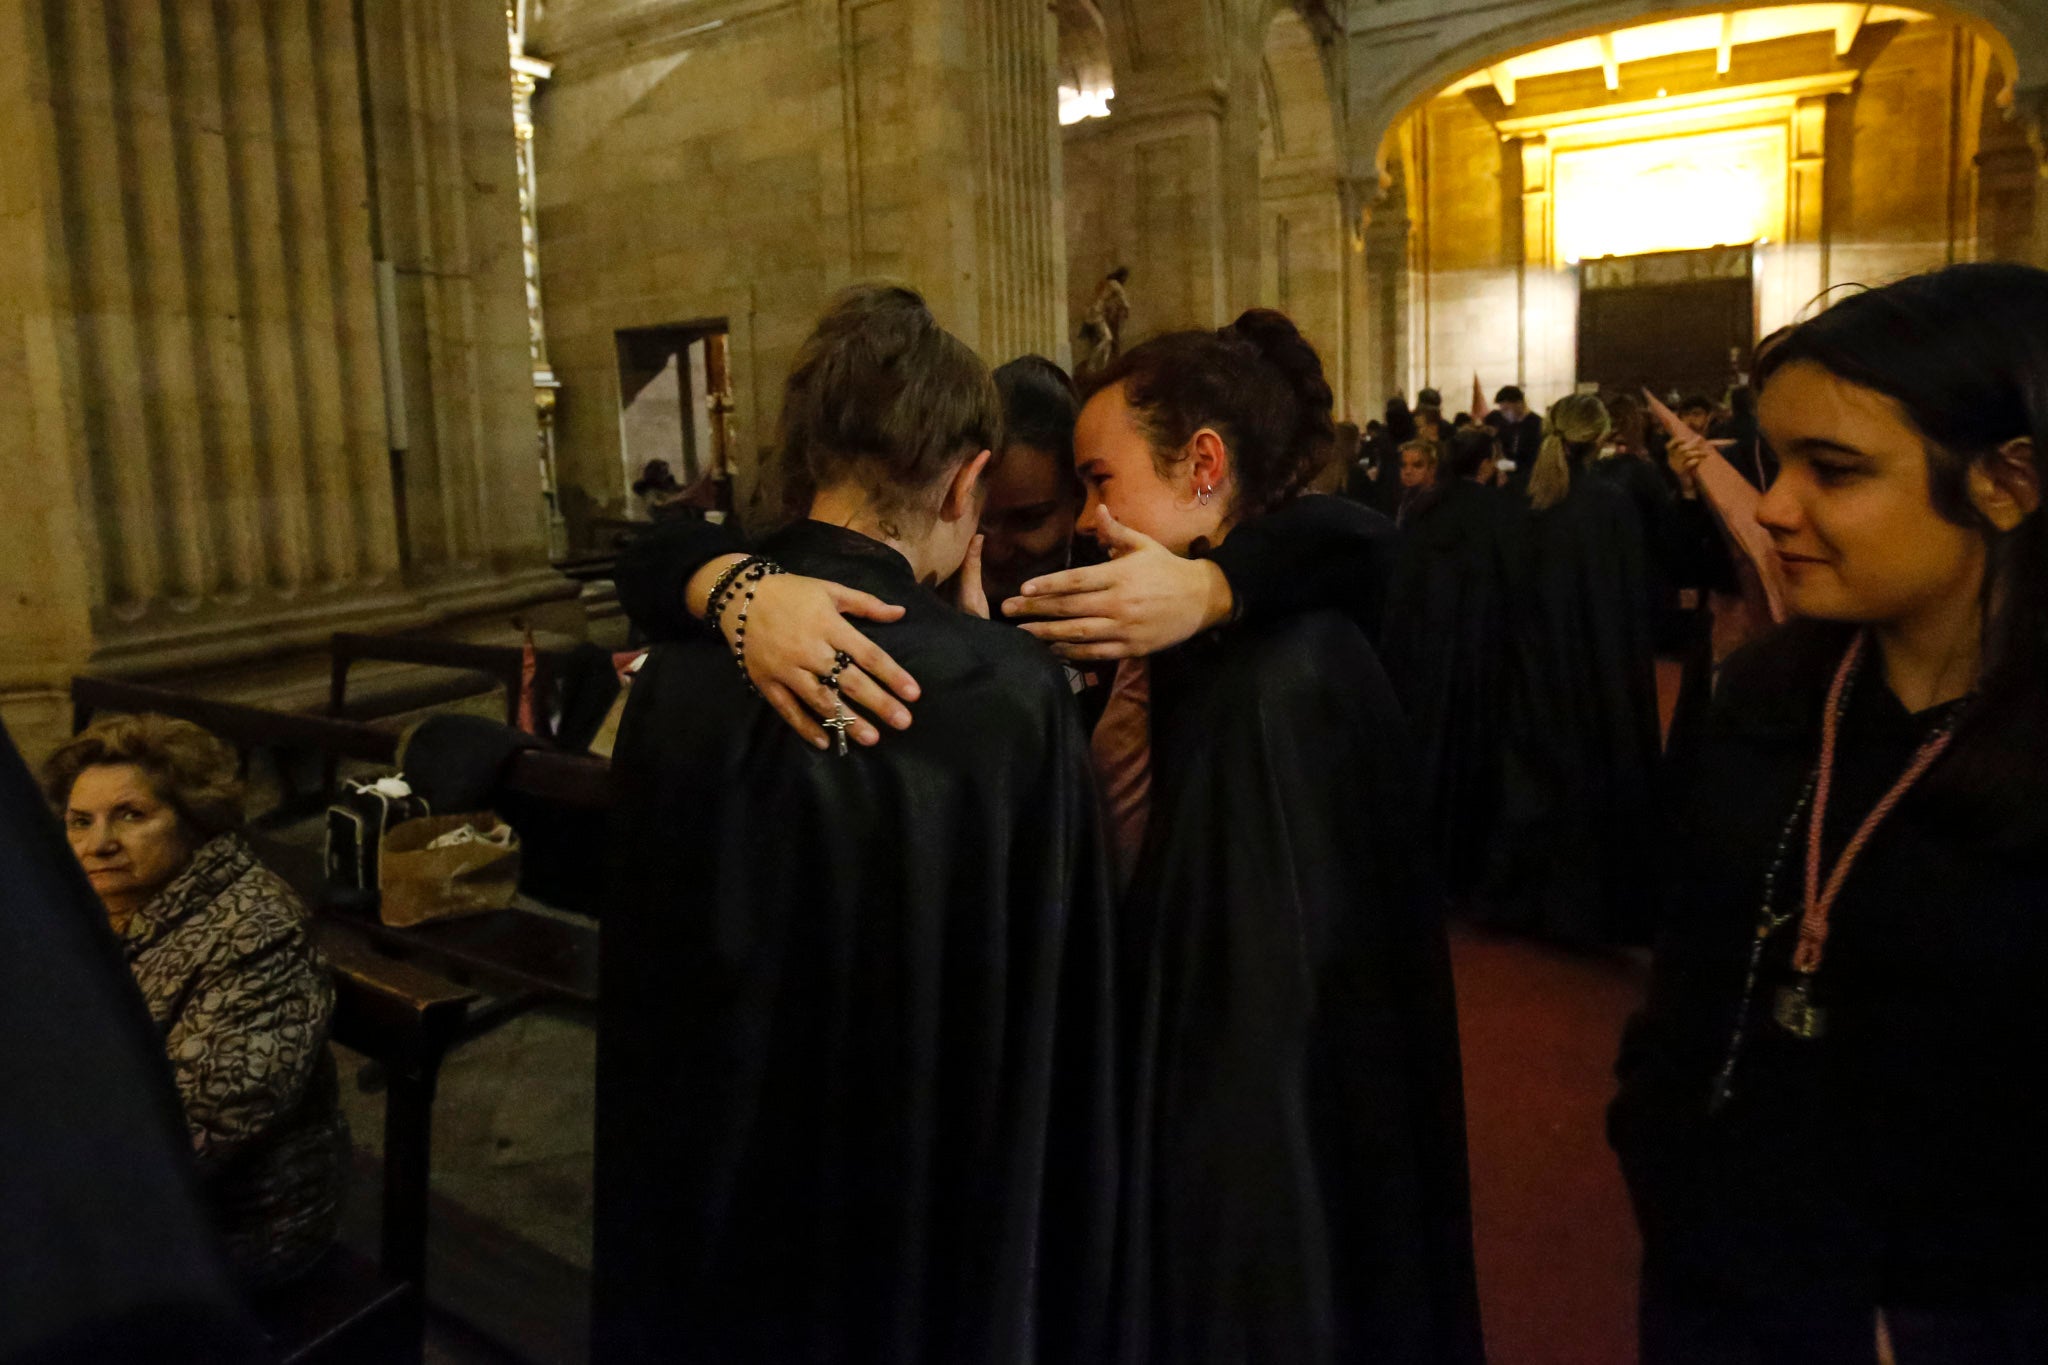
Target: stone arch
1087 53
1149 42
1306 213
1392 78
1301 112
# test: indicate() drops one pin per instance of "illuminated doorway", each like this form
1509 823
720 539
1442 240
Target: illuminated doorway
674 401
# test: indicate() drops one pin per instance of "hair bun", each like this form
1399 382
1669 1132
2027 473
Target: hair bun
1281 345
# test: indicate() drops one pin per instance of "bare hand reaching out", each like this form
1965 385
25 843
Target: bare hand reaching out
1145 599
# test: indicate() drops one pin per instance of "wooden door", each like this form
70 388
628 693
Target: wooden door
1671 320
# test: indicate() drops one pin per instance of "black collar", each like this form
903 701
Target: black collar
855 560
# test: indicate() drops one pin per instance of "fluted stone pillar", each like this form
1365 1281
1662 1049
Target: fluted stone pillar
1022 296
192 207
954 178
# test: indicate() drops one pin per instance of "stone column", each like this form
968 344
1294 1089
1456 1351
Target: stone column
955 182
188 317
1806 232
527 74
1022 259
1387 230
447 187
2030 108
1161 160
1536 264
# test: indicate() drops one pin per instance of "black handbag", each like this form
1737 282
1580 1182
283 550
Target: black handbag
355 830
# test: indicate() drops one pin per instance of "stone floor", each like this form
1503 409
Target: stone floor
512 1128
509 1246
509 1237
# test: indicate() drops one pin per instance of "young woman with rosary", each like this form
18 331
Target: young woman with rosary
1832 1115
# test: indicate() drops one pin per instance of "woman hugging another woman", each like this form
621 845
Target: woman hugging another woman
1295 1175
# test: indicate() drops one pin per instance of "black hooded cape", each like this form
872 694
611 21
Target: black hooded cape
855 1062
1571 860
1296 1173
1446 648
1665 550
106 1256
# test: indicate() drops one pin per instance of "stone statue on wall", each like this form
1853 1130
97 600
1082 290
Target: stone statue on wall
1101 333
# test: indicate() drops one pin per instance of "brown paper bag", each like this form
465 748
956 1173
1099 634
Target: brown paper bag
468 875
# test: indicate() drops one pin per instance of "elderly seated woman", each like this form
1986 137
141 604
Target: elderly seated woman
222 951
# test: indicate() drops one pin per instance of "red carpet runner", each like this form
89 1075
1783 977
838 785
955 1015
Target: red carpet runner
1556 1245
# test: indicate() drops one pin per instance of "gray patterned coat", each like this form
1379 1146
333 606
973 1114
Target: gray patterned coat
225 959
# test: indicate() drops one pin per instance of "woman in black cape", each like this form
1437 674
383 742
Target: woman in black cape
1572 858
1445 646
1295 1171
1831 1116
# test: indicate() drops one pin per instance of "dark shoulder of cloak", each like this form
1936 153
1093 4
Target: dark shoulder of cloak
1571 858
855 1060
1445 646
1313 551
1296 1177
655 566
105 1254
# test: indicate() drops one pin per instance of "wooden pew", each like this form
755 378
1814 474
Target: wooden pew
503 665
573 779
406 1019
515 950
349 1312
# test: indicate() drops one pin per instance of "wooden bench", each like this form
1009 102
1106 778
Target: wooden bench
516 950
503 665
349 1310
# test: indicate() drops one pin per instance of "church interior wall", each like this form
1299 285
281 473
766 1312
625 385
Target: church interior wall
1472 290
1305 240
199 203
664 200
910 140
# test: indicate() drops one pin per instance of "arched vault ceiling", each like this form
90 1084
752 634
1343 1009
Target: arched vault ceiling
1402 51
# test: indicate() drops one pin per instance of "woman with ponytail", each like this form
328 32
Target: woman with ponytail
1295 1161
1570 861
855 1082
1831 1115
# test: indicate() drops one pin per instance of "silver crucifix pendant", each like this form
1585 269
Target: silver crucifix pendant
840 723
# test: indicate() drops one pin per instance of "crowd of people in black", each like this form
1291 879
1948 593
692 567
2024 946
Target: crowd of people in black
1316 723
1545 563
1038 829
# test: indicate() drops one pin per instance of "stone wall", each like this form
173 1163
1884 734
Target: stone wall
1469 290
1902 195
194 204
736 161
1308 266
1168 183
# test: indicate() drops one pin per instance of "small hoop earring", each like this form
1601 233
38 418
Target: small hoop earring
1202 495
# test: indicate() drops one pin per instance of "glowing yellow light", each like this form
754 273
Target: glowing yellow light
1077 104
1671 194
